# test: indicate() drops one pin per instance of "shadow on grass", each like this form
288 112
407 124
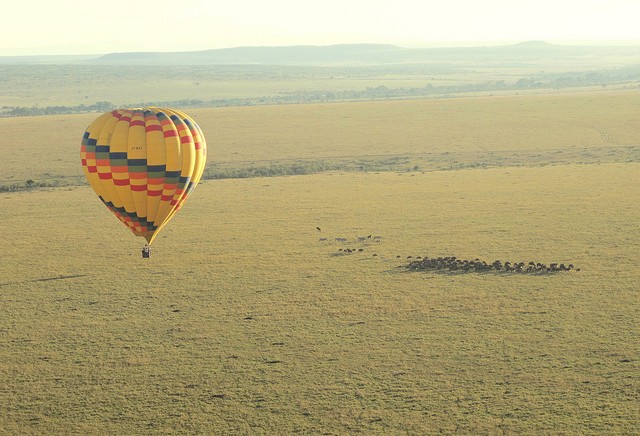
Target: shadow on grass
45 279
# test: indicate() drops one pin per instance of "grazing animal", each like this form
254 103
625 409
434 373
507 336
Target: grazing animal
319 229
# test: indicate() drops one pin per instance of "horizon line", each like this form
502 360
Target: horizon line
406 45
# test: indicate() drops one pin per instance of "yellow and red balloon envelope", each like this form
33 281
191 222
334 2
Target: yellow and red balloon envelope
143 163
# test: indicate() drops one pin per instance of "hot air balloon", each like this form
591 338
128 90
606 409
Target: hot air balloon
143 163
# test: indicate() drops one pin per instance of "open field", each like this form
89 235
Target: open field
498 131
244 322
72 85
276 75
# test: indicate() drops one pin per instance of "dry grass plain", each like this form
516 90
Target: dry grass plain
243 322
433 134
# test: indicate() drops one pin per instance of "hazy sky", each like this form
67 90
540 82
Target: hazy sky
29 27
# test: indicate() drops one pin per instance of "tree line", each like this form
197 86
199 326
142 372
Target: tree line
542 81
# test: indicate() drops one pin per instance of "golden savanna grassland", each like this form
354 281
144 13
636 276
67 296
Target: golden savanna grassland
511 130
244 321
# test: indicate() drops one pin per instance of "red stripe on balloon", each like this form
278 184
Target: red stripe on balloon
170 133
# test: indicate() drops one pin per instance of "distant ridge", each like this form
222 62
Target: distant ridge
367 54
537 44
349 55
264 55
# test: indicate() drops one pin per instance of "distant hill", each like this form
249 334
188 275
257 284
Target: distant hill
288 55
527 52
369 54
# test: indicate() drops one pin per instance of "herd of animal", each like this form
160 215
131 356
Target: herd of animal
454 264
358 239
